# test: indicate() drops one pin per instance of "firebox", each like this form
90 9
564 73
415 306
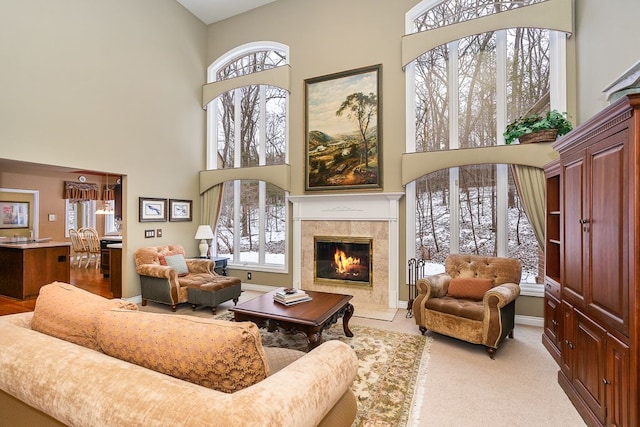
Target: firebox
343 260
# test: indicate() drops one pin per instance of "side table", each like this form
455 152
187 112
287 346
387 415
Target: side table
221 263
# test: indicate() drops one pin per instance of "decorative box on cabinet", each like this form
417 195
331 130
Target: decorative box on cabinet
593 321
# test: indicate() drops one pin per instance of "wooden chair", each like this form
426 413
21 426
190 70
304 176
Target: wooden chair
78 245
92 243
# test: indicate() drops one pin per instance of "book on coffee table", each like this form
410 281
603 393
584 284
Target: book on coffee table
289 296
292 302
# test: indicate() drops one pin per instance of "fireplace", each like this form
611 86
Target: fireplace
343 260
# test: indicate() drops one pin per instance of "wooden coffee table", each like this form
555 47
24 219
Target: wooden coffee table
311 317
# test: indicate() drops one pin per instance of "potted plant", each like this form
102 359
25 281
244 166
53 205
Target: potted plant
538 128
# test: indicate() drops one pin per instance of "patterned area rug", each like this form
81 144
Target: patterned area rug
389 370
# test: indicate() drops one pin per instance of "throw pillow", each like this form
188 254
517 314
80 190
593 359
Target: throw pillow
178 263
225 356
162 260
69 313
469 287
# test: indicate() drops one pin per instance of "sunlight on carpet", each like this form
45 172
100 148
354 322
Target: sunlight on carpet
390 364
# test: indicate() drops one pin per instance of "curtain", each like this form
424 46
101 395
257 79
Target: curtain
530 184
108 192
211 204
81 191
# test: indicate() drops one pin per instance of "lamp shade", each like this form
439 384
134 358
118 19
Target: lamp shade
204 232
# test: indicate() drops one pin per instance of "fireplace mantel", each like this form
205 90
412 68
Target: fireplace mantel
358 208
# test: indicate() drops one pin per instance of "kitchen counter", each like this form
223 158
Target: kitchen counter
26 266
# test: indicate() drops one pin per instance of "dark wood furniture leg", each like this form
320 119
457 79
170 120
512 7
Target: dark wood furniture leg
345 320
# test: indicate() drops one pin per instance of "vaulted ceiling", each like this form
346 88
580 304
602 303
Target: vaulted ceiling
210 11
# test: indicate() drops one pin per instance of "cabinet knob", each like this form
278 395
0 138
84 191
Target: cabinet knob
583 221
555 322
605 381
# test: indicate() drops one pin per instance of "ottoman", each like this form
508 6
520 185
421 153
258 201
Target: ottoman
218 290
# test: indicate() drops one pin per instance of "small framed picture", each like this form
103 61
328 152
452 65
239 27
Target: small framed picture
152 209
180 210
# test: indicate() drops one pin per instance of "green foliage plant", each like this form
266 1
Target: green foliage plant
536 122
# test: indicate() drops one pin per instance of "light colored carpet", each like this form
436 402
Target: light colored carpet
459 385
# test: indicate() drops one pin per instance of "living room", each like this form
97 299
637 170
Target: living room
116 87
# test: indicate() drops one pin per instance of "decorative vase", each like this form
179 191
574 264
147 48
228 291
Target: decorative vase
547 135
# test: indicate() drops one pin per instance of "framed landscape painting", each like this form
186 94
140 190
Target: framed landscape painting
343 130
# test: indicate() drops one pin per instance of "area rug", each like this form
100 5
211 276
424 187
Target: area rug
390 366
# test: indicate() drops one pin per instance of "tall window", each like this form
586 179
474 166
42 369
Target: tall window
248 127
464 92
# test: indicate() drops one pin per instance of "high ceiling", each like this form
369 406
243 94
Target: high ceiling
210 11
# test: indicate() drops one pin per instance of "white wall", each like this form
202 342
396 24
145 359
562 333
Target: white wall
606 45
108 85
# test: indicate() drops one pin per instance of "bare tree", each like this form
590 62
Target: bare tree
361 109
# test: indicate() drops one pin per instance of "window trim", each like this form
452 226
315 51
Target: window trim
279 77
415 44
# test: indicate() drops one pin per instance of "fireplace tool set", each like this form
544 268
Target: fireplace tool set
416 271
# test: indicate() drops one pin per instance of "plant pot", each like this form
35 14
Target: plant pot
547 135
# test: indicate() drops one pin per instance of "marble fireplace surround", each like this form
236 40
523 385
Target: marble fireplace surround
372 215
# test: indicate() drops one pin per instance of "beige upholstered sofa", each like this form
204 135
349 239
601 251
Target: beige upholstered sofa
197 284
83 360
473 300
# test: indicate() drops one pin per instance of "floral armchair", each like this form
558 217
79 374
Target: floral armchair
473 300
167 277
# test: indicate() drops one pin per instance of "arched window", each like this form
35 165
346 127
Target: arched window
460 94
247 127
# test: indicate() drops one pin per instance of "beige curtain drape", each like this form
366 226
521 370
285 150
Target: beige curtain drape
211 202
530 184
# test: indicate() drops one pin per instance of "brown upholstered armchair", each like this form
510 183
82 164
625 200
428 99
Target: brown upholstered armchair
186 280
473 300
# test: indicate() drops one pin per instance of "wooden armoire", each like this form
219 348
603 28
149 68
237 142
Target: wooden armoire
592 251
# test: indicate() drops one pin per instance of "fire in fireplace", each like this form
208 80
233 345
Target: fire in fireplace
344 260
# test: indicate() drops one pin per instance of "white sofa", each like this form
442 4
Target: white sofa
45 381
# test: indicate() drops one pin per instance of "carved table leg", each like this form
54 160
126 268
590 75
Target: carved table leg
345 320
315 339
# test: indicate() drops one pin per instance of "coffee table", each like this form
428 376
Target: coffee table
310 317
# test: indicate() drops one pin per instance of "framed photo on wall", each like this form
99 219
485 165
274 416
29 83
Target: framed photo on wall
152 209
343 146
14 214
180 210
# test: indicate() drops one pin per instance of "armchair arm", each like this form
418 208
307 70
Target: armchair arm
196 265
499 313
155 270
434 286
501 295
429 287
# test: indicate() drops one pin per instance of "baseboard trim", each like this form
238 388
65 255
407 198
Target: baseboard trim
529 320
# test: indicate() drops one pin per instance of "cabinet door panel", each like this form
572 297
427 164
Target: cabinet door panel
568 339
552 326
572 242
589 370
607 293
618 385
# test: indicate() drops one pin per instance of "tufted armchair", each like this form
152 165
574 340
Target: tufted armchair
198 284
473 300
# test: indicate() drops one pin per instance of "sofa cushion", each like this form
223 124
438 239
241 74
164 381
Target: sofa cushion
178 263
71 313
225 356
469 287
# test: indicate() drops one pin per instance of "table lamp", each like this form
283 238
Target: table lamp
203 233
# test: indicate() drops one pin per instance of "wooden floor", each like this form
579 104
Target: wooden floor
88 279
